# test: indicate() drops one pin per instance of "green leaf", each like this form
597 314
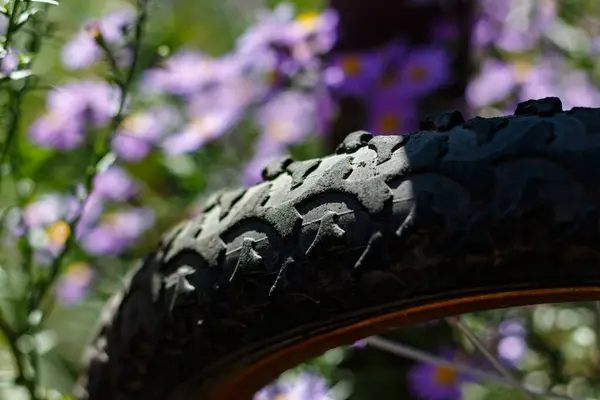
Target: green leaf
22 74
53 2
25 16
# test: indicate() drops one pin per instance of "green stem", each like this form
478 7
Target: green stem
12 337
12 19
100 151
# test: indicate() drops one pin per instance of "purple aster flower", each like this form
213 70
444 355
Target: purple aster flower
115 184
485 31
114 24
494 9
3 24
494 83
354 73
512 345
49 209
578 90
512 327
424 70
319 30
274 27
541 84
201 131
392 114
267 151
303 387
515 40
80 52
435 382
117 231
512 348
9 62
57 131
288 117
325 110
93 101
545 14
140 132
74 283
185 72
212 114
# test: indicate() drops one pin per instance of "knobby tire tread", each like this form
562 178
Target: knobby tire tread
473 206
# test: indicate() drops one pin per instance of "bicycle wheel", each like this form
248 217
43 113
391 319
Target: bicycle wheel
390 230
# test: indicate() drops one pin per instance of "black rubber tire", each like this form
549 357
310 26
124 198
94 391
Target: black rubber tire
475 207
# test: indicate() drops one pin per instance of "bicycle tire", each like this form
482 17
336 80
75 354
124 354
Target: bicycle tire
504 207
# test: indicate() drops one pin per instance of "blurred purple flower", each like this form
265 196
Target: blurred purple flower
512 327
117 231
272 28
578 90
74 283
201 131
3 24
325 110
49 209
392 114
80 52
512 348
114 24
494 9
93 101
57 131
212 114
184 73
140 132
423 71
70 109
9 62
512 345
434 382
354 73
306 386
485 31
494 83
319 30
545 14
115 184
266 152
515 40
288 117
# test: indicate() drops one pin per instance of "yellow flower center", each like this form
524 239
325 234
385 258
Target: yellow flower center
79 272
280 397
351 65
279 130
308 20
388 78
389 123
133 125
522 69
417 73
58 233
445 375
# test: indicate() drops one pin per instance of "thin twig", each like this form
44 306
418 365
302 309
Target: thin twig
481 347
419 355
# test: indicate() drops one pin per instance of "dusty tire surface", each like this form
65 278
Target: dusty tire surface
477 206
